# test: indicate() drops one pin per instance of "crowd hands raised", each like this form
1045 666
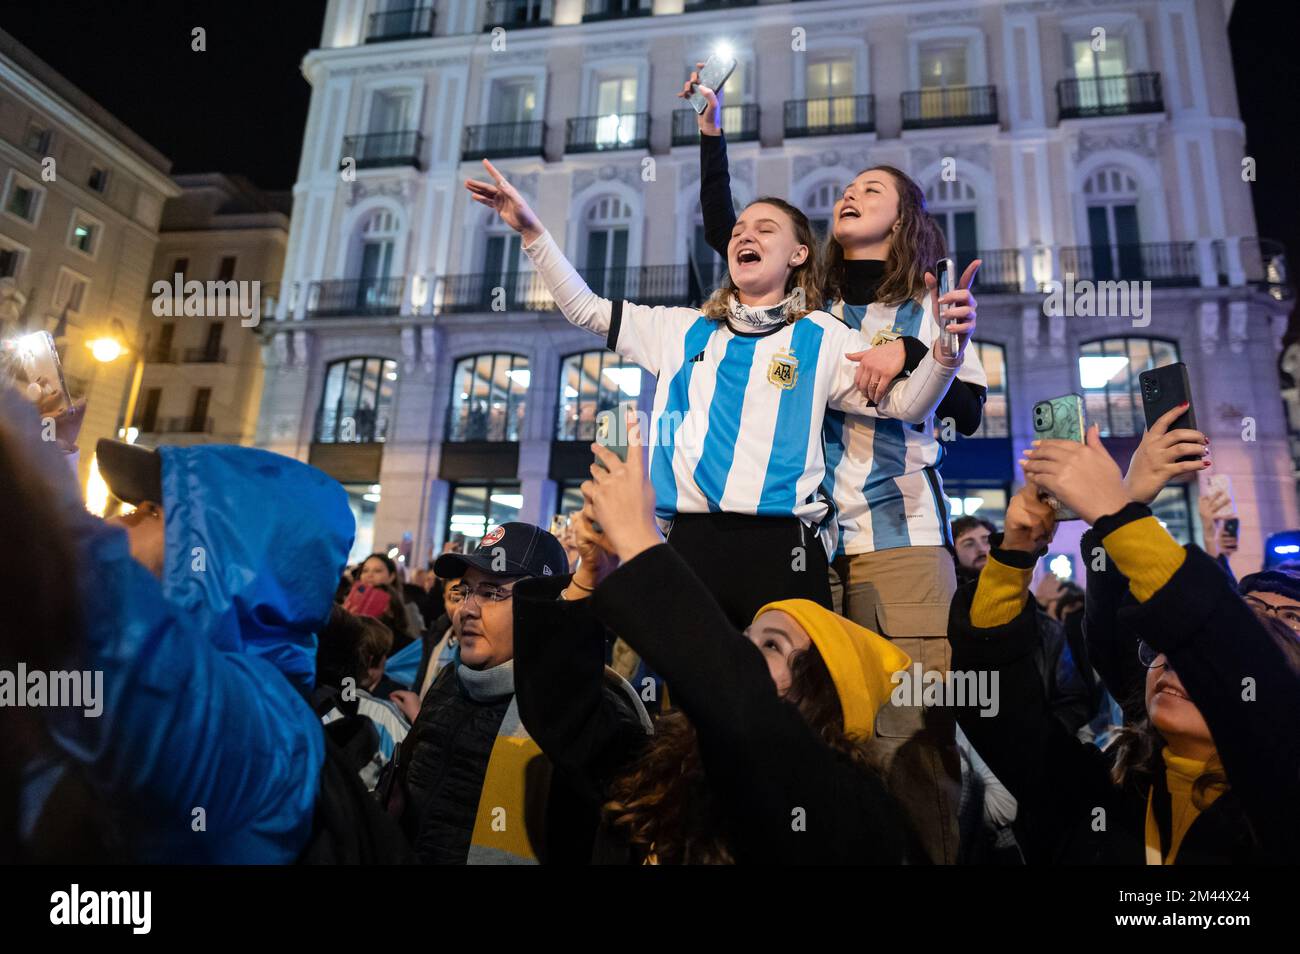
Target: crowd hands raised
689 675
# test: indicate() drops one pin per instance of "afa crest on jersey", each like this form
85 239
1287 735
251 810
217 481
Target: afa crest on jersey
784 370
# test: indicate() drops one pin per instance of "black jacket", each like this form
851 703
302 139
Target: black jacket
1070 810
761 758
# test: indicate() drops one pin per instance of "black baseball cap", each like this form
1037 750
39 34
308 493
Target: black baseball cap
134 474
521 548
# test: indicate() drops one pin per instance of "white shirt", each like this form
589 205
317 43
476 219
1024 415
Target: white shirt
737 418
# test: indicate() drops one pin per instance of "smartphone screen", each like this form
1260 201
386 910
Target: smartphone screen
34 367
1231 525
714 76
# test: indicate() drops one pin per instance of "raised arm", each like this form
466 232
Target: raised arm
715 181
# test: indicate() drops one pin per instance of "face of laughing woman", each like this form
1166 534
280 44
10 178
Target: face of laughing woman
1174 714
762 251
865 214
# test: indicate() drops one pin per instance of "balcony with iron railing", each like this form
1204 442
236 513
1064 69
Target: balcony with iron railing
615 9
379 150
831 116
739 121
525 291
1163 264
503 140
1132 94
352 297
156 355
205 356
404 24
607 133
950 106
517 14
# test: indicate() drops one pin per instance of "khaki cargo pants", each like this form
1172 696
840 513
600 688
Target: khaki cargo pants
904 594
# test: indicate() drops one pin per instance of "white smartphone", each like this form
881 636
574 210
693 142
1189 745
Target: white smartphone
949 342
714 76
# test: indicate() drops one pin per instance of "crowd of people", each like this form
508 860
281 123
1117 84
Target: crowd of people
705 667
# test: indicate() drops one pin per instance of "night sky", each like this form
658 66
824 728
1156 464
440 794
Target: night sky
240 107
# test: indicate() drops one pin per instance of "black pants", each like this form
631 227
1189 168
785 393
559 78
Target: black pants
746 561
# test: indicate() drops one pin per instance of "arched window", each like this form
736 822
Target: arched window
1108 375
356 403
994 422
1114 238
952 204
606 226
819 206
591 382
487 398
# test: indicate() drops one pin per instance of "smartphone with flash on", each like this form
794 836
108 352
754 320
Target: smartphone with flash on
714 75
1060 418
32 365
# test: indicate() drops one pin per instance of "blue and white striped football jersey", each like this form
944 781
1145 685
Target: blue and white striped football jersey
737 417
883 475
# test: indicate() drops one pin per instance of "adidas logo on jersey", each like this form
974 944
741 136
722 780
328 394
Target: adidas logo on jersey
698 357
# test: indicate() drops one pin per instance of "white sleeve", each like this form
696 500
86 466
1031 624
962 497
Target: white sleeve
913 399
577 302
637 332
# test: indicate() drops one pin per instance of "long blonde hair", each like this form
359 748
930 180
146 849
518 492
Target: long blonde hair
917 243
807 276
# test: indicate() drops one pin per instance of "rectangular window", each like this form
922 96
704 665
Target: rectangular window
98 179
24 201
84 236
9 259
179 267
476 508
70 291
513 101
37 139
226 272
943 64
199 416
146 416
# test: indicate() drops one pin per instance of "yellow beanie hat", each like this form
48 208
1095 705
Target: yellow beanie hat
861 663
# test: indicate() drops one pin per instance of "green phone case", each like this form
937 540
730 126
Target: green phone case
1061 418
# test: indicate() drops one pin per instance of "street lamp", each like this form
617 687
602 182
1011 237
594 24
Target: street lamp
109 348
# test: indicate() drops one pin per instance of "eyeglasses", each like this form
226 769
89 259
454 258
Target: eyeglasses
1287 614
486 592
1147 656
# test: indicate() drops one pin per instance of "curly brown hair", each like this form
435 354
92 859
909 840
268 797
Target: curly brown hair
663 803
807 276
915 246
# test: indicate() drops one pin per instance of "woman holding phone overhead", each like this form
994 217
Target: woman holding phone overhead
892 568
736 462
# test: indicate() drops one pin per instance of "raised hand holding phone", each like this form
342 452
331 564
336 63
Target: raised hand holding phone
1082 476
710 119
621 499
954 309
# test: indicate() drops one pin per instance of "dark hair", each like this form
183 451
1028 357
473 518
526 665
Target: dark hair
348 646
1138 746
663 801
1282 582
968 523
383 558
915 247
807 276
42 629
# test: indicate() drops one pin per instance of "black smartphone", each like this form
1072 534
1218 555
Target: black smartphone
1231 525
1163 389
713 75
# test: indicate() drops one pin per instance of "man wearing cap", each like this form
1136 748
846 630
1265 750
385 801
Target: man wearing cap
466 780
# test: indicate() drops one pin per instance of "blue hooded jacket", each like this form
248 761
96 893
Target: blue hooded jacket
206 747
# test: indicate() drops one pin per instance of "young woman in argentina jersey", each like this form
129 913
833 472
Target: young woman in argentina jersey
736 462
892 570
